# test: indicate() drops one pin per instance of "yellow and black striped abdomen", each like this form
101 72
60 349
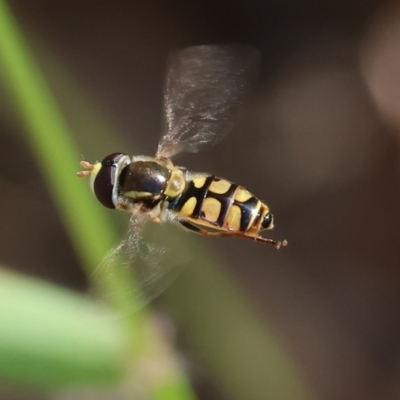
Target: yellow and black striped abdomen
219 204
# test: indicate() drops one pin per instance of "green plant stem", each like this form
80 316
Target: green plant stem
58 157
52 338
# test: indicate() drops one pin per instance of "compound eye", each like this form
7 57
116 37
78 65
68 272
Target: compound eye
105 180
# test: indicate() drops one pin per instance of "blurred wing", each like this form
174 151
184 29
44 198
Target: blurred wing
204 86
142 262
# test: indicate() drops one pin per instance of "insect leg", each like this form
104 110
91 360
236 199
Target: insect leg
275 243
196 229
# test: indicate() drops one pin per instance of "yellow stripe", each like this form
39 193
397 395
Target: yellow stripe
139 195
232 220
211 208
242 194
220 187
188 207
199 182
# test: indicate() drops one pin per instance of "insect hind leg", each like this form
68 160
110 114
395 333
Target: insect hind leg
275 243
193 228
204 232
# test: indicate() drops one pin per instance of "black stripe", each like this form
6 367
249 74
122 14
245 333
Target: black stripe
246 209
226 200
201 194
192 191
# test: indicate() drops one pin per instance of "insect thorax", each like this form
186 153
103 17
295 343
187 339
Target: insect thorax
143 180
150 180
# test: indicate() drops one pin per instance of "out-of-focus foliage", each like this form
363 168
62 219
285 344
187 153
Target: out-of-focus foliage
318 142
139 346
51 338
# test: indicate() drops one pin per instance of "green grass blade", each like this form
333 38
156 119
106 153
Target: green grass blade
58 157
52 338
52 143
237 347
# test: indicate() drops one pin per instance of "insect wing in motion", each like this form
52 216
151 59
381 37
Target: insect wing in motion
204 85
144 252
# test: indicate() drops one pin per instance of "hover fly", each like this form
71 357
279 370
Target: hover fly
204 86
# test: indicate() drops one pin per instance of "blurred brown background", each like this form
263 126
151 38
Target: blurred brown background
318 140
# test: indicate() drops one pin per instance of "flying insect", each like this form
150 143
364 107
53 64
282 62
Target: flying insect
204 86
